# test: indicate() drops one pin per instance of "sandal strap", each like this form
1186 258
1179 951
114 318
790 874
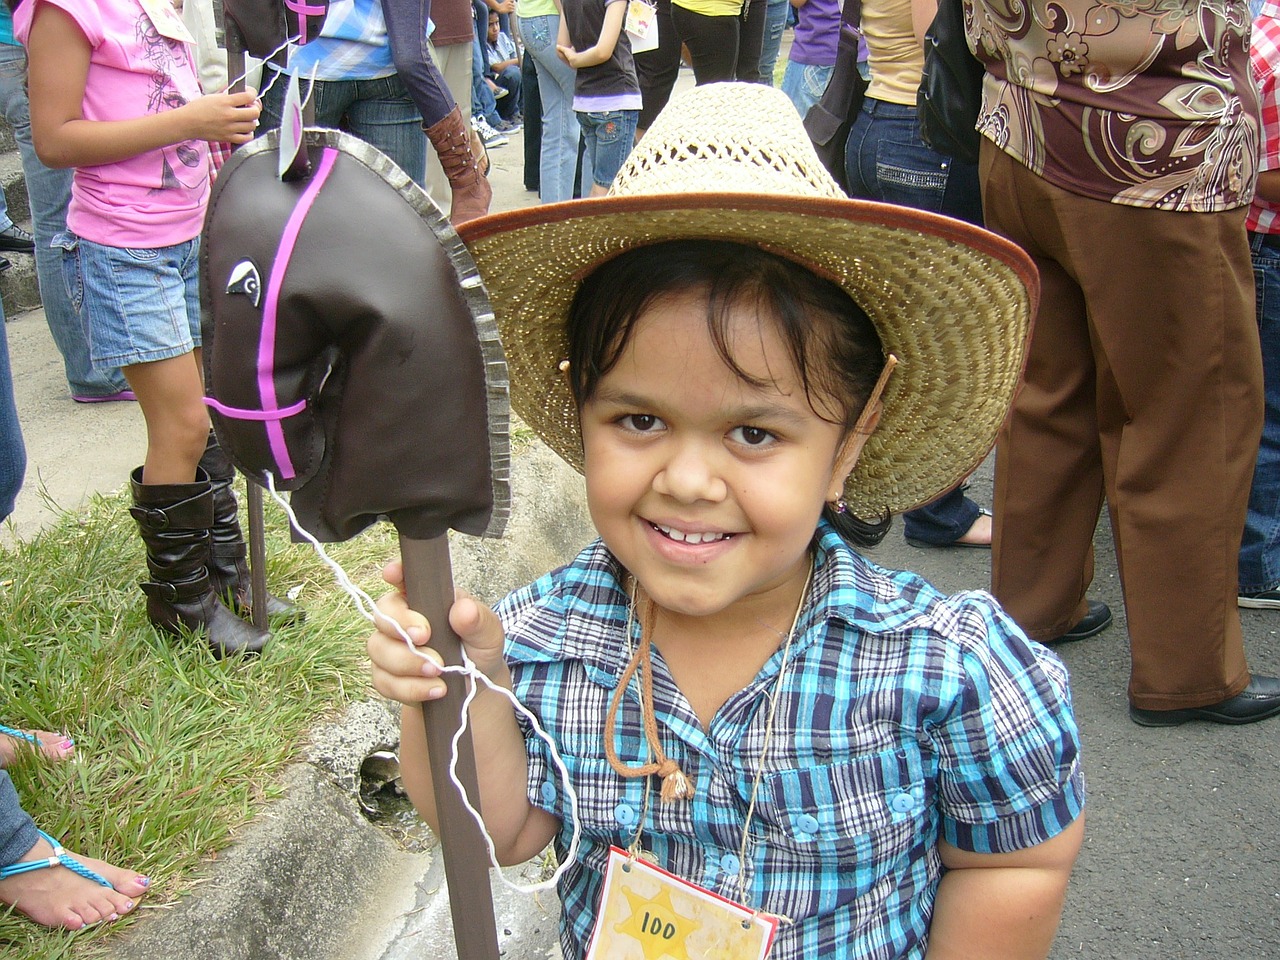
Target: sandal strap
60 858
17 734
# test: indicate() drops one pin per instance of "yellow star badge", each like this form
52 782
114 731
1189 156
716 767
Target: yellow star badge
655 925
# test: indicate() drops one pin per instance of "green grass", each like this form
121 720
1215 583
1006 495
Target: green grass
175 750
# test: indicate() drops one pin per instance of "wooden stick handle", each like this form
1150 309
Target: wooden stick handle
257 553
428 581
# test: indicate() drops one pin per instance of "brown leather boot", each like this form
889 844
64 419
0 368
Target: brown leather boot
452 140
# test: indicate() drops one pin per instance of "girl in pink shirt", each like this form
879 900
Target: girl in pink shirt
114 94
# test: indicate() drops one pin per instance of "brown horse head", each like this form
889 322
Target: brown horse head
349 345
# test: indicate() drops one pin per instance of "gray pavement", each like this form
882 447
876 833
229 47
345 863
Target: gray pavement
1182 850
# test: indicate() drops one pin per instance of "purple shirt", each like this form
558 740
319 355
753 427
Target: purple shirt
817 34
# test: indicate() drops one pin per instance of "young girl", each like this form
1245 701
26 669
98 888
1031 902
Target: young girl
606 93
114 94
737 694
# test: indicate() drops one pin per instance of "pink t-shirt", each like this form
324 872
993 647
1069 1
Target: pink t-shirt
157 198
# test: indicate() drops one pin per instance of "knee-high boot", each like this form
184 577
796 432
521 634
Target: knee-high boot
228 565
174 520
461 157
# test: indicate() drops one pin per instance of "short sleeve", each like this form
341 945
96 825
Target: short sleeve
85 13
1266 58
1009 749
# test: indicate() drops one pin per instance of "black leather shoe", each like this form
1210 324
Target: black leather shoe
1091 624
1259 700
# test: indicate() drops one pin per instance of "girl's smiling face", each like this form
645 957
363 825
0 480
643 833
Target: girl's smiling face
707 487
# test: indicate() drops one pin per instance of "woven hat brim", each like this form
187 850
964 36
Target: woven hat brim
954 303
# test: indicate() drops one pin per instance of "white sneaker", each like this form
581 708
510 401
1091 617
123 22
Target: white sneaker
490 136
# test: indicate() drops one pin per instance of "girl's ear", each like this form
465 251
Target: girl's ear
851 449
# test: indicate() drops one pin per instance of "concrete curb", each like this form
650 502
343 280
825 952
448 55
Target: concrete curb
311 878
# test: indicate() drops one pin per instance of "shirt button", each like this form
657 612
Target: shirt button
625 814
548 792
730 864
903 803
807 824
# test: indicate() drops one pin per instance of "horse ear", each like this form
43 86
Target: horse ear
349 346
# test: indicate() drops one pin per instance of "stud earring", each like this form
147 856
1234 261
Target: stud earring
840 506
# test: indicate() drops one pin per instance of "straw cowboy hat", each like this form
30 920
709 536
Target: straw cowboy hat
731 161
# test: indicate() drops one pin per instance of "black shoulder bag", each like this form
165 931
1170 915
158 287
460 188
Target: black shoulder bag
950 93
828 121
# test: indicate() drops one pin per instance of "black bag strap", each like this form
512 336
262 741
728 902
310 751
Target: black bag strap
851 28
826 116
846 66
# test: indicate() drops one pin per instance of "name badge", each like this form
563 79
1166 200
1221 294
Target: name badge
642 26
647 913
166 20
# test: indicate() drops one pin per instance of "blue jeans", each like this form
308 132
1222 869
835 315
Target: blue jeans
805 83
139 305
49 192
379 112
886 160
775 22
1260 546
13 454
510 79
609 137
17 831
560 132
483 102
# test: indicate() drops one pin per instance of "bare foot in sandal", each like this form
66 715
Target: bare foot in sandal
52 746
56 896
979 534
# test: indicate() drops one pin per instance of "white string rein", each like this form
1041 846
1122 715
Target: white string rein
276 74
369 610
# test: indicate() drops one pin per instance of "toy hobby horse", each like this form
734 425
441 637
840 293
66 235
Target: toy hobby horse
350 352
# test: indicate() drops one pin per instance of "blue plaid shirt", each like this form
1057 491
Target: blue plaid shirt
905 716
352 45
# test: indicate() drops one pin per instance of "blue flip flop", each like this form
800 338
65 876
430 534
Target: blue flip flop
31 738
60 858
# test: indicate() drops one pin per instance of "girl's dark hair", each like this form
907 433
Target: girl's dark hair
832 343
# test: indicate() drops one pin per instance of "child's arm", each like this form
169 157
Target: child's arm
519 829
615 15
58 67
922 14
1269 186
1002 906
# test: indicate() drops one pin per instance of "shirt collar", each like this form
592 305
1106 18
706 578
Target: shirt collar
846 587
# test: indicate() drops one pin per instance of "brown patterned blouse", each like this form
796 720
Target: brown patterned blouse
1147 103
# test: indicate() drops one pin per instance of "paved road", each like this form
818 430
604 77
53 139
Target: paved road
1182 857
